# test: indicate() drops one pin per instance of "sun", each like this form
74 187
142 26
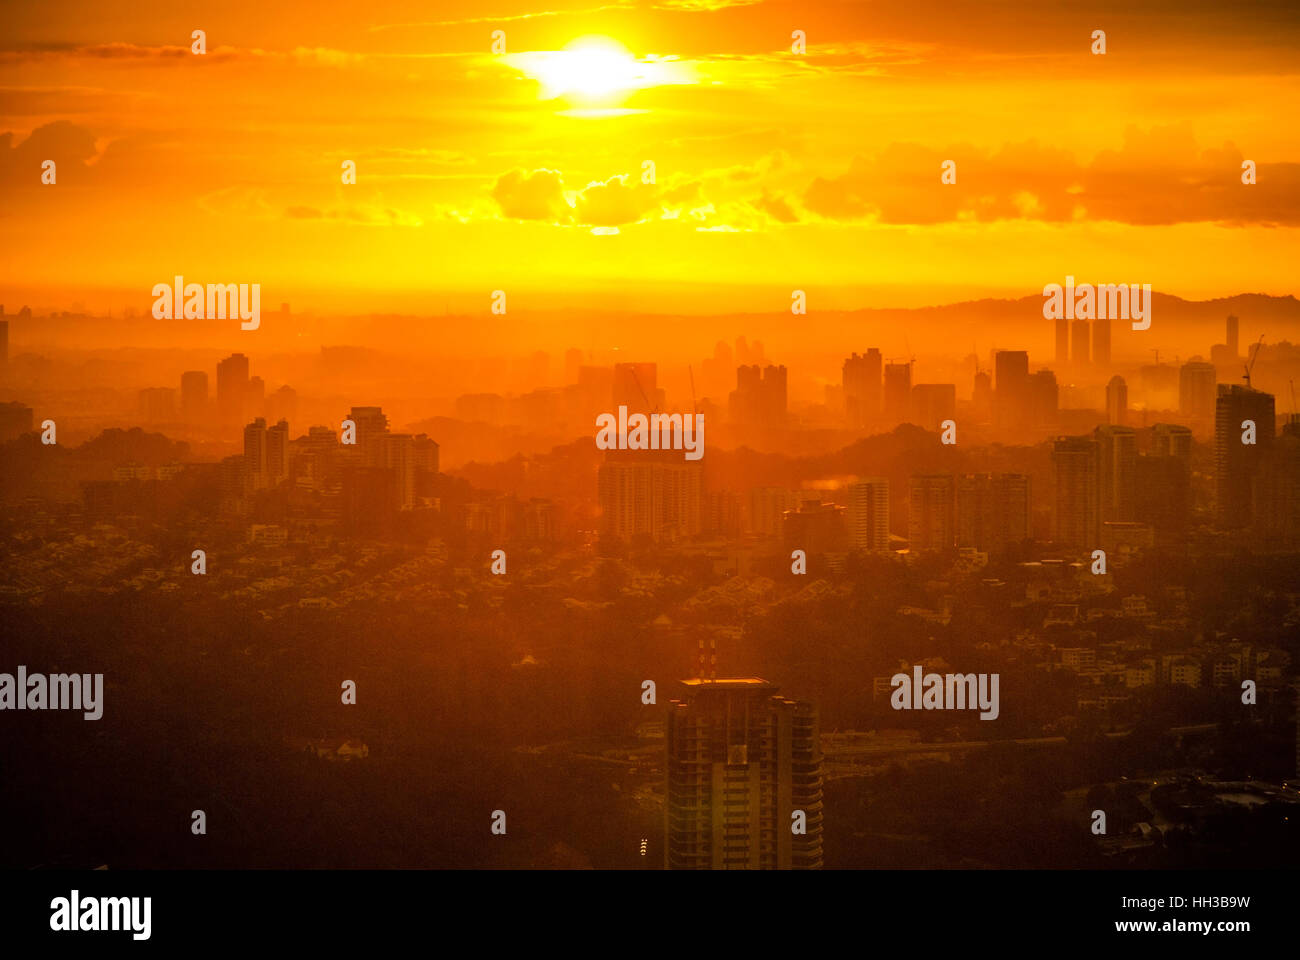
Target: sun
592 70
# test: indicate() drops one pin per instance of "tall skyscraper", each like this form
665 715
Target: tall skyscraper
775 395
1117 460
1117 401
860 377
1196 383
399 457
1079 343
982 396
1101 342
656 493
255 454
277 453
1011 389
1172 440
1076 468
427 454
1228 354
1236 464
868 515
1277 490
1044 398
742 762
767 507
933 403
1160 384
760 396
194 395
255 398
4 345
931 519
898 392
232 388
992 511
282 404
372 426
1062 342
1164 482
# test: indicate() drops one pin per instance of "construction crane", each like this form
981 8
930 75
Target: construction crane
1254 355
637 380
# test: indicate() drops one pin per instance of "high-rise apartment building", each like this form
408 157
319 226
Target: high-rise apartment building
931 518
860 377
1117 463
1228 354
982 396
933 403
1079 353
1277 491
255 472
868 515
232 388
371 426
744 771
656 493
760 397
767 507
1117 401
1172 440
1237 463
1011 389
277 453
898 392
1076 468
992 511
1044 398
194 395
399 457
1163 498
1196 393
1101 342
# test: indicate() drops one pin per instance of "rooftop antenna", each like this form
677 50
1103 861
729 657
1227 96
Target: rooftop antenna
1254 355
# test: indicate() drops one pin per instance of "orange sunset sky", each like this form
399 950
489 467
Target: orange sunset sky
522 171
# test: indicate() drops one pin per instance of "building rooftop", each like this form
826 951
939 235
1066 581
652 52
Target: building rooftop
732 683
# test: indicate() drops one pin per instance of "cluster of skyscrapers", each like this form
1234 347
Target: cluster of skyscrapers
369 480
